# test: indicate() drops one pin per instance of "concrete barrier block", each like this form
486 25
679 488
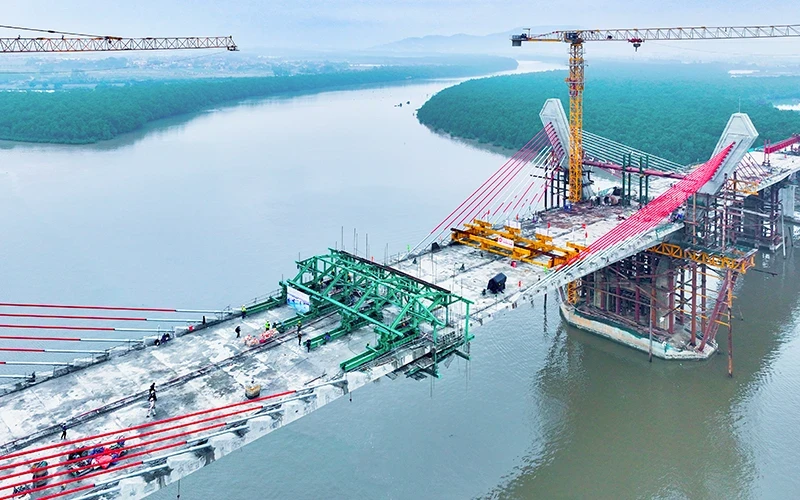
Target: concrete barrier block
327 394
132 487
261 425
184 464
225 444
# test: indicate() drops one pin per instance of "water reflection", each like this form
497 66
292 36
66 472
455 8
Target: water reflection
631 429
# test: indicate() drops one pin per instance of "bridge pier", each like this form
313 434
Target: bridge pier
623 300
654 293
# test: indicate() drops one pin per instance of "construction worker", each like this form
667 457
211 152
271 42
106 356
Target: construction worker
152 409
238 331
266 326
63 431
244 311
299 325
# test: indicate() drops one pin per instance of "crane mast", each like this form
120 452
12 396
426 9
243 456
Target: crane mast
575 80
576 84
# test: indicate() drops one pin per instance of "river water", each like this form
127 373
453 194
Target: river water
212 210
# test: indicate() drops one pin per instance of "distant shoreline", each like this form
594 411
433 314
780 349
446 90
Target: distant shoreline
669 110
82 117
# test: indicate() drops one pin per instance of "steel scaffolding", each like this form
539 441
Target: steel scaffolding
401 308
682 289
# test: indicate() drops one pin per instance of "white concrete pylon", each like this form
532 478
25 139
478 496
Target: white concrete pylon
739 130
553 112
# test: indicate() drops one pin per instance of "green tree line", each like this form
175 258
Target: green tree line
80 116
671 110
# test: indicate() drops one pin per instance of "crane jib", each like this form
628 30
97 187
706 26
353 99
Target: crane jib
111 44
638 35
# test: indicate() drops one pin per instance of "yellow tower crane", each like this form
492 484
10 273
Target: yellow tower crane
575 80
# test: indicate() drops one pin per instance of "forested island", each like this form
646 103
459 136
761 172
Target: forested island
81 116
676 111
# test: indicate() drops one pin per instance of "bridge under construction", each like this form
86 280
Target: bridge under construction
650 259
638 249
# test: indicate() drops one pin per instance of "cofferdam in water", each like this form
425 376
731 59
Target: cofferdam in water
209 210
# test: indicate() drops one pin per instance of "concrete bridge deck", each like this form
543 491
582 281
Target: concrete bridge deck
444 267
205 369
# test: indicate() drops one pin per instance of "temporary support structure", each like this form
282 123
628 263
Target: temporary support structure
741 260
664 286
400 307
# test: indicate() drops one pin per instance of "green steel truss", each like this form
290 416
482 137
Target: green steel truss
365 292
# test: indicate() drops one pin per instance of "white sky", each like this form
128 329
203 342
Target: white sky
318 24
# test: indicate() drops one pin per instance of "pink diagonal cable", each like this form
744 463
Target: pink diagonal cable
513 192
483 203
473 210
525 193
654 212
517 183
487 181
471 204
505 181
496 188
553 136
540 194
522 197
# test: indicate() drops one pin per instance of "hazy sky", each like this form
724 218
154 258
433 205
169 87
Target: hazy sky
363 23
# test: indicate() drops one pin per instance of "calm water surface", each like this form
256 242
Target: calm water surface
213 211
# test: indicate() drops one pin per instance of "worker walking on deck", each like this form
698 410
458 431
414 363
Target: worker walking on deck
152 409
238 331
152 399
266 326
63 431
244 311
